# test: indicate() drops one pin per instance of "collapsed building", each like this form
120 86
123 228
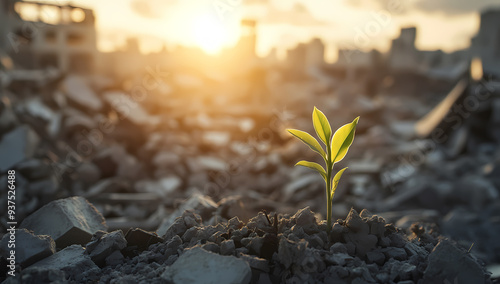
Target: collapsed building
486 44
37 35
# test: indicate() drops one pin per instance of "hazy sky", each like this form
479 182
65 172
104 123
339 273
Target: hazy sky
210 24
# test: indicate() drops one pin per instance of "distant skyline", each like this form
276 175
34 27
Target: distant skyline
213 24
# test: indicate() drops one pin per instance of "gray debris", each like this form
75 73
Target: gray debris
114 258
201 205
256 262
77 90
449 263
103 245
16 146
29 248
77 221
71 260
209 269
180 225
227 247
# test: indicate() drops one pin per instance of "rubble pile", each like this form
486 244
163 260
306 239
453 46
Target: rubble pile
77 136
273 248
143 163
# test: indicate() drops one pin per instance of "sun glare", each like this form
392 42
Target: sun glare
209 33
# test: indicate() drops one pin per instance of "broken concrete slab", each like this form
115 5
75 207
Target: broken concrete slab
115 258
36 108
256 262
116 161
34 169
103 245
210 268
162 187
141 239
78 91
200 204
449 263
8 119
29 248
130 109
68 221
16 146
71 260
206 163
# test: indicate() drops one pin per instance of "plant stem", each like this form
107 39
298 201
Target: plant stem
329 166
329 201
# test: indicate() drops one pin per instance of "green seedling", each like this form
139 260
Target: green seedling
336 149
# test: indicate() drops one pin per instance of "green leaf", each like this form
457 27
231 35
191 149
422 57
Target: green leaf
342 140
313 166
308 140
321 125
335 182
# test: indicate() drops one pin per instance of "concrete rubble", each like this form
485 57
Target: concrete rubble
72 261
288 248
208 268
16 146
173 176
30 248
77 221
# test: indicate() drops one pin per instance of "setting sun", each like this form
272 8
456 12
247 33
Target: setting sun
209 33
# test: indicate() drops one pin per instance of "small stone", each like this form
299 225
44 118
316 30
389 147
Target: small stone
256 262
363 243
227 247
382 277
79 92
288 251
364 273
255 245
259 222
337 232
384 242
178 228
104 245
114 258
197 207
211 247
234 223
397 240
141 239
365 214
339 271
338 258
375 257
34 169
415 250
174 242
377 229
338 248
72 260
395 253
16 146
189 234
356 224
351 248
404 271
304 217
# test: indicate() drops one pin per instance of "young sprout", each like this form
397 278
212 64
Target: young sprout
336 149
